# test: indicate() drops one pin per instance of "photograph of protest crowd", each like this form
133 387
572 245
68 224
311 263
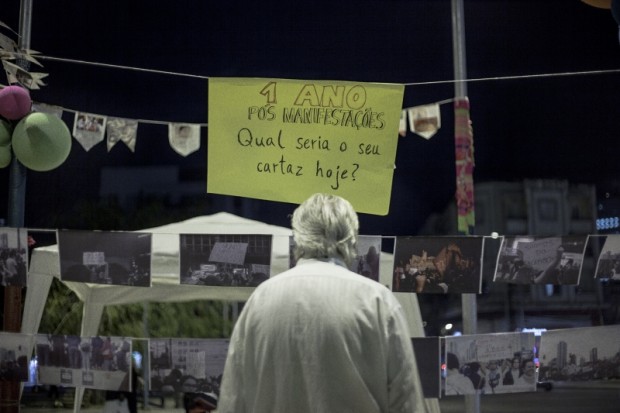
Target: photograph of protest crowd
233 260
437 265
94 362
13 256
99 257
540 260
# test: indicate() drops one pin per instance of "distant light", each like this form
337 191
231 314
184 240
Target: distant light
448 327
607 223
536 331
457 333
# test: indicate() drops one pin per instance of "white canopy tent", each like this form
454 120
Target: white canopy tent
165 267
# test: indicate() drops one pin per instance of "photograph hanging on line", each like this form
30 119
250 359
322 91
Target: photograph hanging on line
540 260
15 356
367 261
490 364
94 362
437 265
427 352
368 257
187 365
580 354
13 256
231 260
608 263
100 257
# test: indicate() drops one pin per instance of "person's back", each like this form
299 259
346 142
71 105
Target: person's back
322 339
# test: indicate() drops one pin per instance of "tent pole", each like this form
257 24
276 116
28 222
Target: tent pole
472 402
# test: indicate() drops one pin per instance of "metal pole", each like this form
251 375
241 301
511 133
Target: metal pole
472 402
146 367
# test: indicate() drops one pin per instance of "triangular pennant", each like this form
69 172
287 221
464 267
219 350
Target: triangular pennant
184 137
120 129
425 120
88 129
45 108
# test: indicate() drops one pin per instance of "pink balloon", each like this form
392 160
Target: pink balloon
15 102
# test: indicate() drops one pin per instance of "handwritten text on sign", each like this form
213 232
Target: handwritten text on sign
283 140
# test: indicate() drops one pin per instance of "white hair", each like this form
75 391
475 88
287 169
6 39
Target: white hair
325 226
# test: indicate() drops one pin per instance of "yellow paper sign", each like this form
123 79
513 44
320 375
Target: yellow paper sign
283 140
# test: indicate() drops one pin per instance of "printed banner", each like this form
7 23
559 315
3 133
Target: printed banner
283 140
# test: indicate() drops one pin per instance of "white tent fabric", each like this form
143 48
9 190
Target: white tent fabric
165 267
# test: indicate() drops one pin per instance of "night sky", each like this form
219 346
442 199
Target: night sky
526 125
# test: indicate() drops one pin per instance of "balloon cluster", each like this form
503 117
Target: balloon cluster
40 141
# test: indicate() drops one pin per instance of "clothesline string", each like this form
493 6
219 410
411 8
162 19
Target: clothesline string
482 79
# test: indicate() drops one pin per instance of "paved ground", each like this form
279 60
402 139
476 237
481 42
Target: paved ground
595 397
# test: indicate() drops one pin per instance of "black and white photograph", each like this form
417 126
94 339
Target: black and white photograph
13 256
580 354
490 364
438 265
232 260
427 352
187 365
368 257
94 362
540 260
100 257
14 356
608 264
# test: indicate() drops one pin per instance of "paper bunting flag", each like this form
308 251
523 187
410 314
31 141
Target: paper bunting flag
184 137
424 120
88 129
120 129
15 74
7 44
402 126
45 108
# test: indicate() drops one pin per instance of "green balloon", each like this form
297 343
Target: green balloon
41 141
5 156
5 132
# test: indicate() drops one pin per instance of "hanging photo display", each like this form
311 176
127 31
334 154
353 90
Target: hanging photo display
437 265
580 354
540 260
15 356
99 257
13 256
490 364
233 260
94 362
187 365
427 357
608 264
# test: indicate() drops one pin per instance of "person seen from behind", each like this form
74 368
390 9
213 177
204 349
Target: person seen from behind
319 337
